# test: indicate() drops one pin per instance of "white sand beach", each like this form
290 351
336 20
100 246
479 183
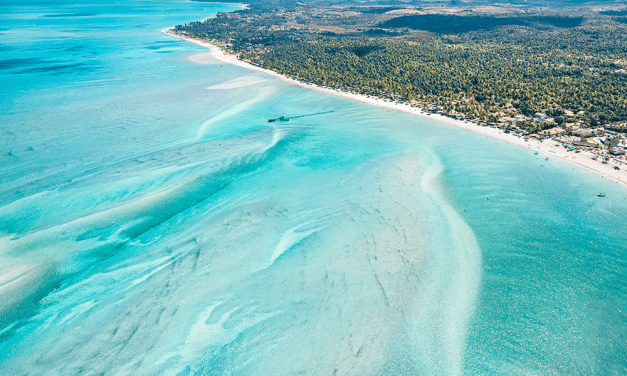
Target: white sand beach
548 148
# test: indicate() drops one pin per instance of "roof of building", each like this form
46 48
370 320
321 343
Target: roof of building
586 144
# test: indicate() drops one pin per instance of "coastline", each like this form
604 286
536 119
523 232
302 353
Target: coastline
548 148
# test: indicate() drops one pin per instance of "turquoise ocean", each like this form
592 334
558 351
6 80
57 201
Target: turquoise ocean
153 222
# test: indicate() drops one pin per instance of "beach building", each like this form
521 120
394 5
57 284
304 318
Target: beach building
584 133
585 144
510 120
620 128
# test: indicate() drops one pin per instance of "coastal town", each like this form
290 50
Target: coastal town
606 143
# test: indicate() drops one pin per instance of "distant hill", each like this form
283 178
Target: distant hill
273 4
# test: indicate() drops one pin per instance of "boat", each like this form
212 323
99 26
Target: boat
601 195
282 118
546 159
536 153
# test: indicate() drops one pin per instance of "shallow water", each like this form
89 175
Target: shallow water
154 222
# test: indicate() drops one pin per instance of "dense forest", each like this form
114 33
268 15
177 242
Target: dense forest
540 68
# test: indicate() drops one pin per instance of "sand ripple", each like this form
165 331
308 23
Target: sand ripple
204 58
238 82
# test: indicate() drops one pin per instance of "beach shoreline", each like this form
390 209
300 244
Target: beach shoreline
548 148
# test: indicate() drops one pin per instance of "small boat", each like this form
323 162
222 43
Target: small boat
601 195
536 153
546 159
282 118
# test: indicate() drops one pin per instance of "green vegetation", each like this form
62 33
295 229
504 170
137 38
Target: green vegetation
548 68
